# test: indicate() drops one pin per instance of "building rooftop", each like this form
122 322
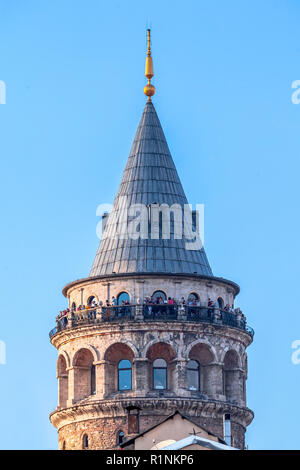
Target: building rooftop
150 177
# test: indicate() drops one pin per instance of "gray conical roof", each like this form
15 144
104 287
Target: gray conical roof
150 177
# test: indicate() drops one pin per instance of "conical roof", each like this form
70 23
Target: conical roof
149 177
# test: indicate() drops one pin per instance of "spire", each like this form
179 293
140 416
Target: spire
149 177
149 89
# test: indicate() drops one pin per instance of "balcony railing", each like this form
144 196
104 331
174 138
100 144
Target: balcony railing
152 312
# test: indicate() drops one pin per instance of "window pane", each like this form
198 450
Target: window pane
125 364
193 365
227 431
125 379
160 379
193 379
159 363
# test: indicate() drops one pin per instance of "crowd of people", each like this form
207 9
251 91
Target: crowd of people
192 301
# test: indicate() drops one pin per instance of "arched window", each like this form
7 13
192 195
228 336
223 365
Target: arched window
220 303
64 445
193 375
124 375
122 297
160 374
120 437
158 295
91 300
73 307
85 441
193 297
93 380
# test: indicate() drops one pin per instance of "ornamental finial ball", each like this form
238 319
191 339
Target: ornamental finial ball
149 90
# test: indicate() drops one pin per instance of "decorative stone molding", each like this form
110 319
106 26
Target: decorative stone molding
111 408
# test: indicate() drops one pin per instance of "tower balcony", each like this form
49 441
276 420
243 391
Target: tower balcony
152 313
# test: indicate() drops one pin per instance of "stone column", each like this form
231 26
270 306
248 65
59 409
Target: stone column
79 383
142 379
234 386
217 316
71 386
62 381
138 315
100 378
181 313
181 387
213 381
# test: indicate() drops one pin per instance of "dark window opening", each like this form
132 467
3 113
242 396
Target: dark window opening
120 437
85 441
91 300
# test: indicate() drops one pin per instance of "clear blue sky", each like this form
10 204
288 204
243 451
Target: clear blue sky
74 72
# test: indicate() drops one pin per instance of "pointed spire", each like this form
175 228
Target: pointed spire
150 177
149 89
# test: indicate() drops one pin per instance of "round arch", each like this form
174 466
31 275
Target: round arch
161 349
231 360
123 296
155 341
204 342
88 347
193 295
90 299
202 353
220 302
118 350
66 357
159 293
227 350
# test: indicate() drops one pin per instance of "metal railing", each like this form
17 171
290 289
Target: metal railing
162 312
152 312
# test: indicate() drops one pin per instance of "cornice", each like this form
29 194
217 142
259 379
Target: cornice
98 409
139 276
138 326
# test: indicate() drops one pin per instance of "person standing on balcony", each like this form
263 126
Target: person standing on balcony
210 305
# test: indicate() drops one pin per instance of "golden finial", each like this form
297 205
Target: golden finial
149 89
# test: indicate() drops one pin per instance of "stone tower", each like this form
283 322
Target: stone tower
125 366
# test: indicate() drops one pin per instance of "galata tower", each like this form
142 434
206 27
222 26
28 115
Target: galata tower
151 330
